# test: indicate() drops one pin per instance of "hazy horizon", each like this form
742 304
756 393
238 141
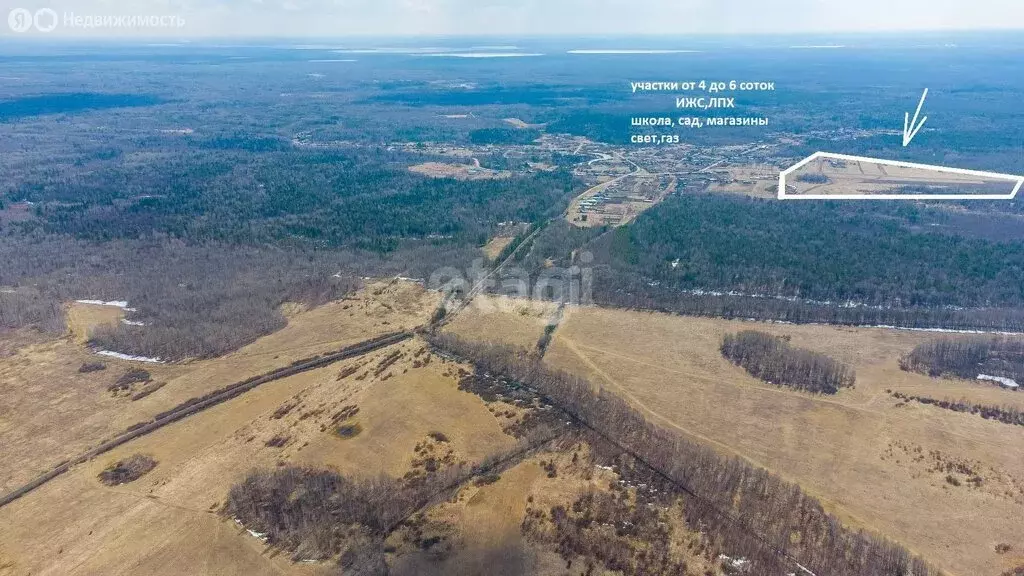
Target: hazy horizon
503 18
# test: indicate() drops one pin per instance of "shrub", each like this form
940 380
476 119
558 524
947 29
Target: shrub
125 381
347 431
91 367
147 390
128 470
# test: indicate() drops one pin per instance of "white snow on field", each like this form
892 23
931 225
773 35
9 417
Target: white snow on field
1007 382
131 322
121 356
944 330
122 304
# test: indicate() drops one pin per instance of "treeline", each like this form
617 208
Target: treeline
758 516
772 359
1006 414
967 357
617 288
26 307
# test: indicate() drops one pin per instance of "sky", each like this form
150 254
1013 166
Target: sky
339 18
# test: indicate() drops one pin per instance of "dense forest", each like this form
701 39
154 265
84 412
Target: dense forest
842 263
772 359
364 200
815 251
759 516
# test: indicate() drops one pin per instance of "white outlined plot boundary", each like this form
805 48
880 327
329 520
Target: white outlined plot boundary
1018 180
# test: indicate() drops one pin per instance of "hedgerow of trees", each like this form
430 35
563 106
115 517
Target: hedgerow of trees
772 359
1006 414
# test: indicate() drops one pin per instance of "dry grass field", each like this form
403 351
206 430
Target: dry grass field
168 522
82 319
507 232
503 320
495 245
49 411
849 177
877 463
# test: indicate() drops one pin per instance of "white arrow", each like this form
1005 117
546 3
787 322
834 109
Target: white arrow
910 129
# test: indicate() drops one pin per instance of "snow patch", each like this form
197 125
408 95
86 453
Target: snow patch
122 304
121 356
1006 382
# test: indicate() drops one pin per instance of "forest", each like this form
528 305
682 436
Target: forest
815 251
366 200
772 359
842 263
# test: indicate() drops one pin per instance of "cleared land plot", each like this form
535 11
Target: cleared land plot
828 176
507 232
50 412
874 461
503 320
458 171
82 319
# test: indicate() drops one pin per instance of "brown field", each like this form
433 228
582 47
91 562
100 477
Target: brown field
494 247
50 412
849 177
503 320
458 171
167 522
872 462
507 232
84 318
